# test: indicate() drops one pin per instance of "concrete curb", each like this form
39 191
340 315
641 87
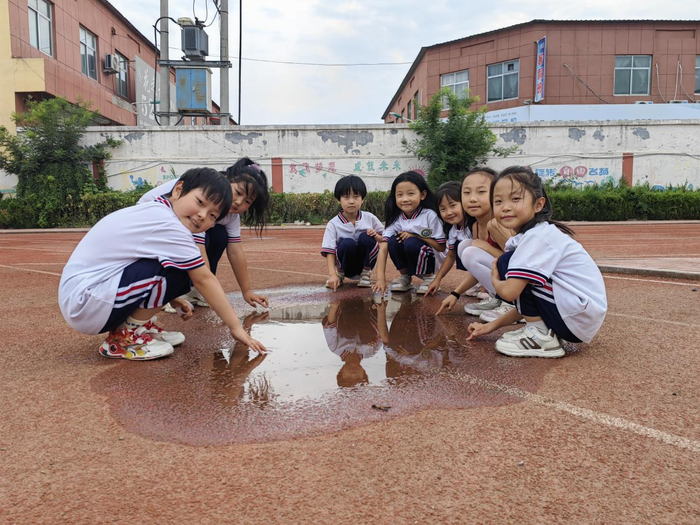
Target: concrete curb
650 272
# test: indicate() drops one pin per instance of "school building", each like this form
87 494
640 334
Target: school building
81 50
580 62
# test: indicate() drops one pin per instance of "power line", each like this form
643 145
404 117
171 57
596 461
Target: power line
313 63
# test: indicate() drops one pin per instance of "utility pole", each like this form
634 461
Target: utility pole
225 111
240 54
164 56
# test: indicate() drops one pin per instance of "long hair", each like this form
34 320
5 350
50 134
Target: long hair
392 211
492 174
250 174
531 183
452 190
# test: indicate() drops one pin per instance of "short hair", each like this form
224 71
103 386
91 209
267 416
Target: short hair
350 183
214 185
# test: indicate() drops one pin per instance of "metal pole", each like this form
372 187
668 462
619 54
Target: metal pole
164 55
223 118
240 54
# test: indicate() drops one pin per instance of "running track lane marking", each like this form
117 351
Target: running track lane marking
649 280
28 270
287 271
585 413
640 318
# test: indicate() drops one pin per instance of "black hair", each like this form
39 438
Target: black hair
469 222
250 174
531 183
215 187
392 211
453 191
350 183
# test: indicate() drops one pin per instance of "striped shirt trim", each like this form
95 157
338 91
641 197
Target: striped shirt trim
415 214
234 239
345 221
184 265
165 201
327 251
532 276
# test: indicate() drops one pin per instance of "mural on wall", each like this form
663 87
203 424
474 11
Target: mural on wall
382 167
580 175
155 176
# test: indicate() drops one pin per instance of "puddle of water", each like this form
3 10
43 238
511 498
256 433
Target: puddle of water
330 363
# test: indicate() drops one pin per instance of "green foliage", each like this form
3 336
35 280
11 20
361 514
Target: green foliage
317 208
52 167
456 145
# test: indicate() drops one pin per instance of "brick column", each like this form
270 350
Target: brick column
277 175
628 168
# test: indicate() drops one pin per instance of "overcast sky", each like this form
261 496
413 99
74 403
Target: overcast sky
357 31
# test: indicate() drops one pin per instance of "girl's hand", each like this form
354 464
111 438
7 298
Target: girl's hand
477 329
371 232
241 335
402 236
334 282
184 306
252 298
433 287
380 286
447 304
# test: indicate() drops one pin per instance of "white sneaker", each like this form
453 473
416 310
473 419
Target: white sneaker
157 333
531 343
482 295
478 308
427 280
473 291
341 278
492 315
401 284
194 297
169 309
365 279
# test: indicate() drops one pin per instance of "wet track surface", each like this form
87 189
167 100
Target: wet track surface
328 369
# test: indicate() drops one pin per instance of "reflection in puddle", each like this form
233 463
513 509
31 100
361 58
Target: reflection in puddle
330 362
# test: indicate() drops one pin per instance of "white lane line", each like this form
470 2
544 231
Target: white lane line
287 271
650 281
29 270
39 264
585 413
653 320
37 249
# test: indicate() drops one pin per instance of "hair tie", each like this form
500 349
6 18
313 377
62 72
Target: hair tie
256 167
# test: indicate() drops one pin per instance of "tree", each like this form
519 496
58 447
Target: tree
51 166
455 145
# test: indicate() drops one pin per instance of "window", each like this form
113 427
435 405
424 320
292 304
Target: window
408 110
88 53
40 30
457 82
415 106
502 81
122 75
632 75
697 75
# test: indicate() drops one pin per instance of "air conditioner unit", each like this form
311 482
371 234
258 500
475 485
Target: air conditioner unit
110 65
644 102
677 101
195 42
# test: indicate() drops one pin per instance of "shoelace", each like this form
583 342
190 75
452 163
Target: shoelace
152 326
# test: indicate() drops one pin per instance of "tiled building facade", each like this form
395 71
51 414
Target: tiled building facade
587 62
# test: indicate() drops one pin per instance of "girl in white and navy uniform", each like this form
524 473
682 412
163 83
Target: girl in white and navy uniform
414 236
555 284
137 259
251 199
350 242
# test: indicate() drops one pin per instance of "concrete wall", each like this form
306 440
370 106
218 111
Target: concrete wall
311 158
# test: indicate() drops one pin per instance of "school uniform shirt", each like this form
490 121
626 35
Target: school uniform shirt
232 221
457 234
425 223
343 346
341 228
563 273
87 292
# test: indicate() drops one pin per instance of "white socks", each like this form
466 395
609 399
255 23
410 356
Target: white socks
133 324
544 330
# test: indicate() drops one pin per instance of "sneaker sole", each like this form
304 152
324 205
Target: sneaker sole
478 312
513 351
364 285
401 288
136 358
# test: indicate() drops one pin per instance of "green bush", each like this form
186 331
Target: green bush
593 203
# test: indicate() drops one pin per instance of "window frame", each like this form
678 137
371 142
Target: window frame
453 85
85 67
502 76
35 15
122 65
631 69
